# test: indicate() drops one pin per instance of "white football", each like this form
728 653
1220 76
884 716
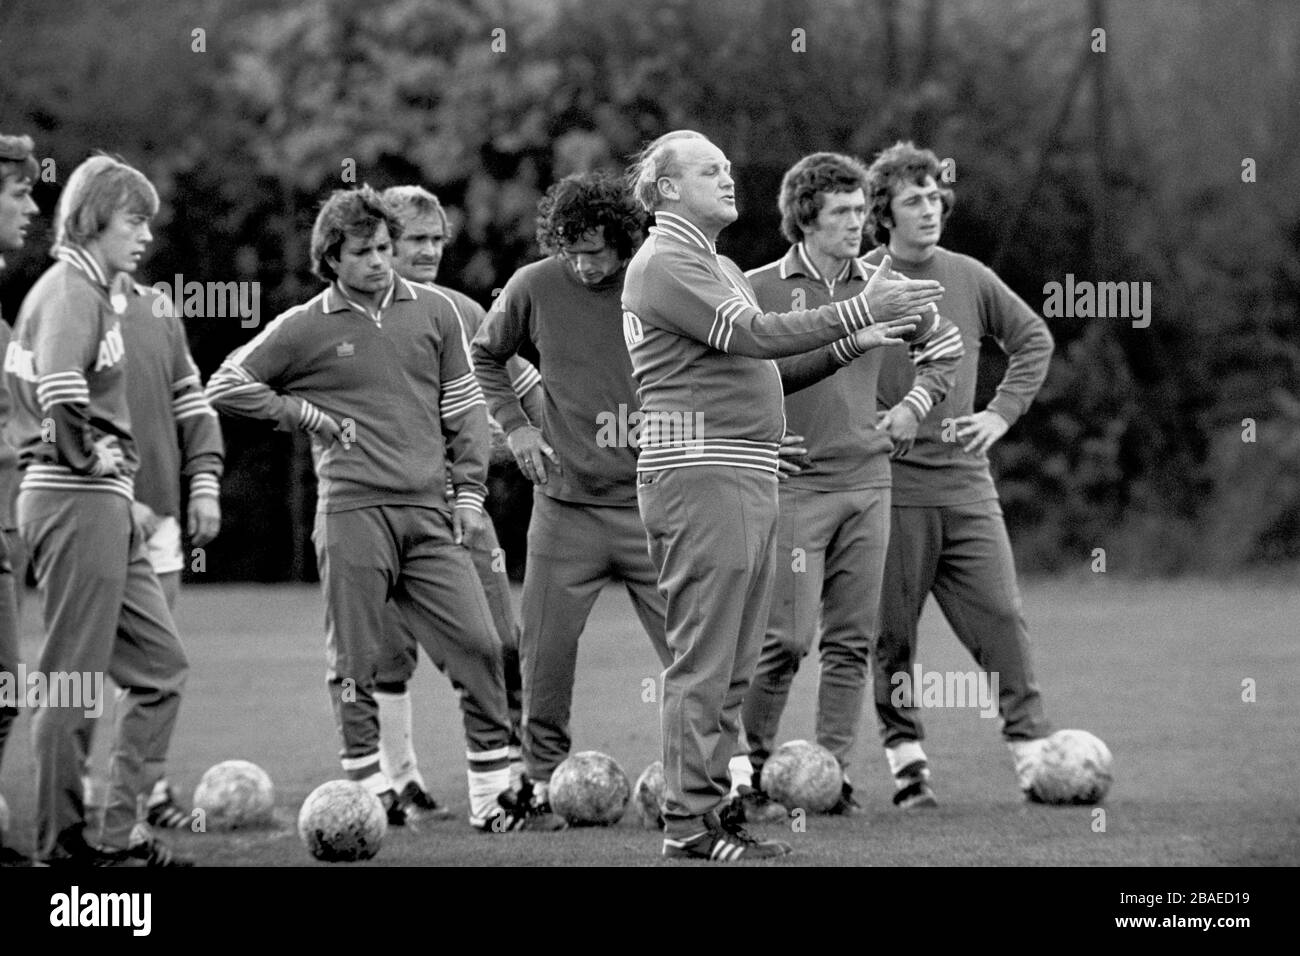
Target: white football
803 776
648 796
342 822
590 789
1073 766
235 794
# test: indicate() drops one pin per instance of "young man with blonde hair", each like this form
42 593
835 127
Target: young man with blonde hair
104 609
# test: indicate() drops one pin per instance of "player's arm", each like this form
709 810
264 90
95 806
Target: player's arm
198 431
463 414
512 401
1023 334
686 297
936 352
65 349
254 380
525 380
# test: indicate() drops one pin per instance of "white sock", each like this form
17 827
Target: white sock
1026 755
484 787
899 756
396 751
741 771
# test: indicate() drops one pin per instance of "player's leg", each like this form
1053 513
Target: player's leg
150 668
567 567
977 590
78 545
449 612
711 534
632 564
801 537
9 660
490 564
854 571
915 540
357 553
396 667
162 809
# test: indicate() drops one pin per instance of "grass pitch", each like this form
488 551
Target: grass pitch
1158 670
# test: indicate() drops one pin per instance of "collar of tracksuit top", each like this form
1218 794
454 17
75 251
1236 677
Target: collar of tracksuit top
336 300
82 260
797 263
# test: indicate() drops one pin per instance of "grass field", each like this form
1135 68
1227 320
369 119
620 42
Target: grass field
1156 669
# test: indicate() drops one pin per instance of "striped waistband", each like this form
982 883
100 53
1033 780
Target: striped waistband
44 477
730 453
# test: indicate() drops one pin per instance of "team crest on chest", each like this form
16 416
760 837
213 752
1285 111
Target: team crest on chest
111 348
346 349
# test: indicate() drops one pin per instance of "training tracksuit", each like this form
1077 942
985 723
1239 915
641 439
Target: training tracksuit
177 432
948 536
585 529
398 383
104 609
697 340
833 527
486 552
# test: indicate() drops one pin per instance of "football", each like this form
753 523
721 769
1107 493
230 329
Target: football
342 822
648 796
234 795
803 775
589 789
1073 766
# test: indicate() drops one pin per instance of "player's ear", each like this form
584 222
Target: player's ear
667 188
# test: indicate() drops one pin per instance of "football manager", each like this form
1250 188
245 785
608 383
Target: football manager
712 424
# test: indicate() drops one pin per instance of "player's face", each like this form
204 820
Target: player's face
917 214
16 209
837 231
121 244
591 258
418 253
706 193
365 263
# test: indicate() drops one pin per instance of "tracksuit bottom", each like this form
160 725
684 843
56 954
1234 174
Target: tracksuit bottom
378 558
961 554
712 535
104 612
400 667
574 550
830 561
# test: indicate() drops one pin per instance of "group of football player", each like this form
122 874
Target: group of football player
803 463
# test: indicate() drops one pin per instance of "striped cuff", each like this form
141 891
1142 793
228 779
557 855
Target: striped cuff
467 497
309 416
205 485
846 350
854 313
919 400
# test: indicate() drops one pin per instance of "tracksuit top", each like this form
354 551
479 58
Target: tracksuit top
574 335
66 370
175 427
837 416
698 341
396 381
937 473
8 455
